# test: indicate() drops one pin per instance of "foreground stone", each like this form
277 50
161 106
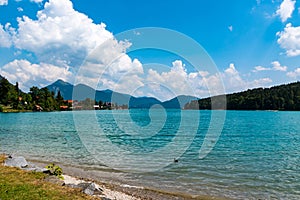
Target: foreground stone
18 161
55 180
87 187
21 162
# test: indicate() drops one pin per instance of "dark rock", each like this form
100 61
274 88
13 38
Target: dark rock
93 190
84 185
105 198
74 186
34 168
37 169
90 189
87 188
55 180
16 162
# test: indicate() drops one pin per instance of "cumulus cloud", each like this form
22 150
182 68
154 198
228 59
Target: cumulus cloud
3 2
233 79
178 81
109 66
234 82
174 81
289 40
277 66
286 9
199 84
5 38
33 74
260 68
59 33
61 36
294 74
20 9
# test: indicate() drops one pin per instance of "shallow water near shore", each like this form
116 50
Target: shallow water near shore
256 156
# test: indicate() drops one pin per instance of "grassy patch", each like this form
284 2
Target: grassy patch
19 184
7 109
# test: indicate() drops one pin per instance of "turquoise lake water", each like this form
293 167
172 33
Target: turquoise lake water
257 155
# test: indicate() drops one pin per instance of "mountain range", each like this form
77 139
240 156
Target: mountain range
81 92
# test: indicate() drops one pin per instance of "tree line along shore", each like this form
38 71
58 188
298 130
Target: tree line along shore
12 99
283 97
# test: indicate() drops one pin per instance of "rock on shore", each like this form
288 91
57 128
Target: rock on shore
87 187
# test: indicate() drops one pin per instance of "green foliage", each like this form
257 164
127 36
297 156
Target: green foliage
283 97
1 108
55 170
12 96
8 93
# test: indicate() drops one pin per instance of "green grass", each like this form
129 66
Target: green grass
17 184
7 109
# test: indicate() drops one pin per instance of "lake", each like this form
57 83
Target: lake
235 154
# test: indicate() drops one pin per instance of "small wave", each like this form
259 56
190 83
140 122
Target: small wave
131 186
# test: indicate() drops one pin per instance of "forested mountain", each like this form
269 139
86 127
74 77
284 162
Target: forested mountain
81 92
283 97
178 102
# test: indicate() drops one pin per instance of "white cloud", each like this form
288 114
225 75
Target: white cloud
174 82
37 1
232 78
203 73
294 74
277 66
194 83
289 40
20 9
61 36
234 82
59 33
231 70
29 74
5 38
109 65
230 28
3 2
178 81
286 9
261 68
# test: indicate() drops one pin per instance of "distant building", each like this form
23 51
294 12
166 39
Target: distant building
37 108
64 108
69 101
96 107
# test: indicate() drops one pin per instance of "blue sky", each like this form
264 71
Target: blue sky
254 43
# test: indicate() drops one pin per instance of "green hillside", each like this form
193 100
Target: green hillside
283 97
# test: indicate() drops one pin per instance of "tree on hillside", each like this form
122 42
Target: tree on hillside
283 97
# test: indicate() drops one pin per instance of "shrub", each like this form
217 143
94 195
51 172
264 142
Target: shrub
55 170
